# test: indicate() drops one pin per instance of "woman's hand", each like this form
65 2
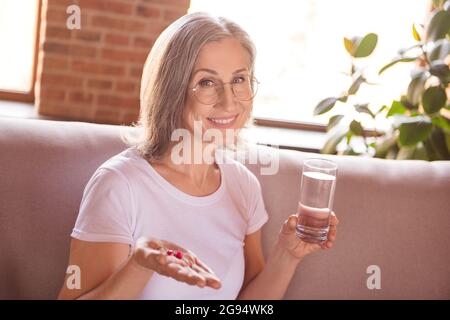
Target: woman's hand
173 261
298 248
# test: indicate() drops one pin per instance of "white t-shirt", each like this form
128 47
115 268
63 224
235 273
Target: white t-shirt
126 198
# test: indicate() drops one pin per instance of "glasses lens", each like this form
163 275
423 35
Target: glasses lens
243 90
207 95
246 89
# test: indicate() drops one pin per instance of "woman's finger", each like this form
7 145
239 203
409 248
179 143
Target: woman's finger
211 280
289 225
334 221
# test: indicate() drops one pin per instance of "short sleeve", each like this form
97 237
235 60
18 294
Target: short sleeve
258 214
106 209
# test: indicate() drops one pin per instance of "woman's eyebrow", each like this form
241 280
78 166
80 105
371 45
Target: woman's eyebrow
215 72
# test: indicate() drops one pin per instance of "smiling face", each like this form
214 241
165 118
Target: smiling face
219 62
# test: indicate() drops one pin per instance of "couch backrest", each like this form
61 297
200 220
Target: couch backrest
393 214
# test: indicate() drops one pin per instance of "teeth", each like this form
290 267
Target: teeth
222 121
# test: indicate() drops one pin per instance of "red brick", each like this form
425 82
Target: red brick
124 55
144 42
118 24
61 80
83 51
148 12
55 63
81 97
56 16
125 86
173 15
88 36
97 68
99 84
116 39
56 32
118 102
136 72
107 6
57 48
52 94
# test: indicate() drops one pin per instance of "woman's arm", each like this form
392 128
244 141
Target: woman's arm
269 281
112 271
272 280
107 271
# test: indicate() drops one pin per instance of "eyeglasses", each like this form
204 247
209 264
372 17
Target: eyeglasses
244 88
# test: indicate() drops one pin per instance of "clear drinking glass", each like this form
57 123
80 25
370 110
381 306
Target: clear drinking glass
316 199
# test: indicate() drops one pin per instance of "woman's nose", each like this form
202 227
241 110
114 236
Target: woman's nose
227 98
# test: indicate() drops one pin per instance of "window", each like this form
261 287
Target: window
301 57
18 36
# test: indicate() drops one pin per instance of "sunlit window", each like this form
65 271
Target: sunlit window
17 38
301 58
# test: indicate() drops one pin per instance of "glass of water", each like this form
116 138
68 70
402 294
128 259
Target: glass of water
316 200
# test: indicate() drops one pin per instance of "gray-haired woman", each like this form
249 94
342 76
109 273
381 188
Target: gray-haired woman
153 227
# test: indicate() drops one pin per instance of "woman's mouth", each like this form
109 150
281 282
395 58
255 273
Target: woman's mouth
223 122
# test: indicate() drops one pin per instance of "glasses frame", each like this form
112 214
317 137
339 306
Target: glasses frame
222 86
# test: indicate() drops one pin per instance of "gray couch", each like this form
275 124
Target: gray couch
393 214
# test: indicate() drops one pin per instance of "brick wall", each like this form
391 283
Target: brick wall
93 74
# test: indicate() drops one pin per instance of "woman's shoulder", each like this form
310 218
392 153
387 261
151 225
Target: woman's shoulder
124 163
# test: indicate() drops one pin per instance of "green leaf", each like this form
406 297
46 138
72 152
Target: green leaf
441 70
442 122
356 84
324 106
416 88
366 45
395 61
436 145
415 130
415 33
356 128
383 145
396 108
334 120
348 44
440 50
343 98
384 107
364 108
439 25
334 138
433 99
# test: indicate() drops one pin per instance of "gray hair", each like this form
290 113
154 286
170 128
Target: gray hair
167 73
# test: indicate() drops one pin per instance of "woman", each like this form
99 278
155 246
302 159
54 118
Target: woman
146 217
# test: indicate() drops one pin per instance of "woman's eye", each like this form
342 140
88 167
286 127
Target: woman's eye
239 80
206 83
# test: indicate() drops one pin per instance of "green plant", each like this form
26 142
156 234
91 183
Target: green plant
421 117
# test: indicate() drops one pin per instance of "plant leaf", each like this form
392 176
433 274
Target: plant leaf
440 50
433 99
356 84
416 35
366 45
415 130
334 138
439 69
334 120
416 88
439 25
395 61
325 105
442 122
364 108
396 108
348 44
356 128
